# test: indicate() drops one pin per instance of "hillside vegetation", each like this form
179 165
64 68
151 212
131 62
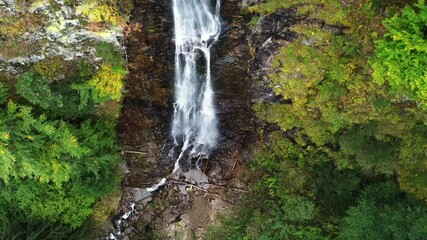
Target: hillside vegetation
350 161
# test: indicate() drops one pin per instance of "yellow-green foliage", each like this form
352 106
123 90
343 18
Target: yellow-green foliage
15 25
12 27
413 178
126 4
335 102
108 82
320 9
50 67
105 207
102 13
401 56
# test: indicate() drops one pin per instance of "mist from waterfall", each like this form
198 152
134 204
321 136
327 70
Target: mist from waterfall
194 125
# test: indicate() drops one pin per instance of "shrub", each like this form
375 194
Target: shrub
108 83
105 85
109 53
401 55
101 13
37 91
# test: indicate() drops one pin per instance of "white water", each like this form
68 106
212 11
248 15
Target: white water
194 125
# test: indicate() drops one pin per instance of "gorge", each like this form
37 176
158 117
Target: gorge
149 106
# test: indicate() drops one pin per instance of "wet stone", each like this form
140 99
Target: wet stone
141 194
226 60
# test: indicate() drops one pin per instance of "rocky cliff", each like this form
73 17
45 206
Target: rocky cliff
32 31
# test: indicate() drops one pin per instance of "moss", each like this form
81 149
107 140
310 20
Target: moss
105 207
245 10
51 67
254 21
12 26
14 48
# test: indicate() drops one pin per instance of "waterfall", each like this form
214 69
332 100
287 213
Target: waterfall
194 124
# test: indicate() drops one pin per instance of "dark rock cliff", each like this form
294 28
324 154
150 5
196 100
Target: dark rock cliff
239 62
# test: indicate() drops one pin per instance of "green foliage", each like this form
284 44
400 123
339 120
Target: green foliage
401 55
3 93
109 53
76 95
85 69
299 209
282 203
59 99
368 151
382 212
337 189
348 139
335 105
52 170
106 84
36 90
254 21
59 157
413 177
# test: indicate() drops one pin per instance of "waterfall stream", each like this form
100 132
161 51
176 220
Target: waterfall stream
194 124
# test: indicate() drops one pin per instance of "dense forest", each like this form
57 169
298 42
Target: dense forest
347 158
58 149
350 160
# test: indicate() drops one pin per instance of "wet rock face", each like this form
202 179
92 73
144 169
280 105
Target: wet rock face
147 109
146 116
145 119
234 87
271 33
144 124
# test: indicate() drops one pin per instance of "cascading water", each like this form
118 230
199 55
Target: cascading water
194 125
